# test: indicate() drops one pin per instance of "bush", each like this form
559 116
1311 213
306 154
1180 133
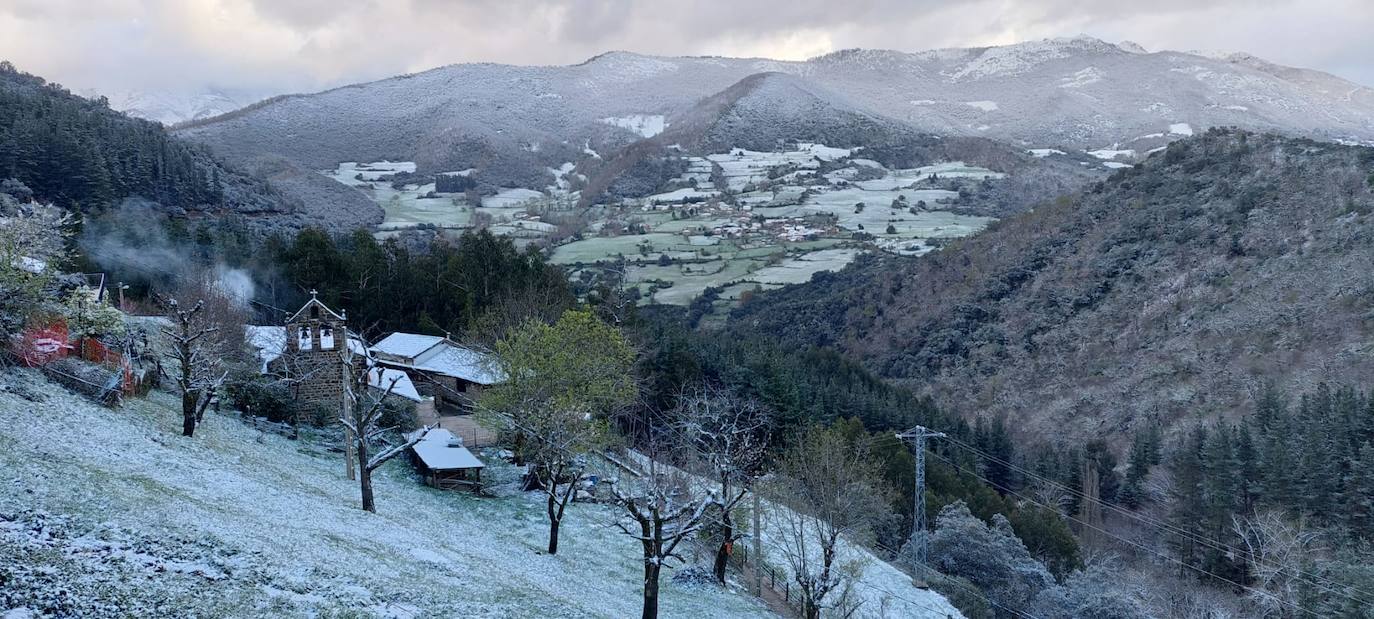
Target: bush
259 397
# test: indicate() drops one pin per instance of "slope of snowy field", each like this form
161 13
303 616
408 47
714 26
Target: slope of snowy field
880 591
110 513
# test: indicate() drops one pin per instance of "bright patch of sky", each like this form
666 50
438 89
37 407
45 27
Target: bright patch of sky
303 45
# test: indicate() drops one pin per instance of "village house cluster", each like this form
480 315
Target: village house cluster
317 355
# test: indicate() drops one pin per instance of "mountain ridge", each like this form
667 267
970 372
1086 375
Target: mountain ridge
1172 291
515 122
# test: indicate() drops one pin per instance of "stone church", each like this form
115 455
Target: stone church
317 350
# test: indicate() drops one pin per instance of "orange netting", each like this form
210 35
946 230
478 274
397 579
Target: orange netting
39 345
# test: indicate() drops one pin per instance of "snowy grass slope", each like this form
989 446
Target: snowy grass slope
130 519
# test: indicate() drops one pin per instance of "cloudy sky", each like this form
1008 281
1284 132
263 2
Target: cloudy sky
301 45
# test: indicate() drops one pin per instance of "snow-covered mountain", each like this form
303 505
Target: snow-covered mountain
171 108
1080 93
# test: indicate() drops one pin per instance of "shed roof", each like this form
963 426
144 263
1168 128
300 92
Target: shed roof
440 450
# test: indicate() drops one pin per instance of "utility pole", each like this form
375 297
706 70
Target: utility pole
917 437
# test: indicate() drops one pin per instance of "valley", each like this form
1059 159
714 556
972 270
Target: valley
1062 328
736 222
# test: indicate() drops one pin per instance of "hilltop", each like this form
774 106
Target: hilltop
1171 291
1080 93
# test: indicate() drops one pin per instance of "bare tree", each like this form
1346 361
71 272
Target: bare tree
728 435
825 491
1277 552
662 507
555 444
200 371
204 330
363 420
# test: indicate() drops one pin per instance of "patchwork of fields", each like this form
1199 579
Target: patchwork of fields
733 222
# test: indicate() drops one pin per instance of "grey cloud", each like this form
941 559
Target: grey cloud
300 45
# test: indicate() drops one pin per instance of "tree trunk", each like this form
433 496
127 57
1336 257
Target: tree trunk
553 535
727 530
810 609
651 572
188 413
555 517
365 479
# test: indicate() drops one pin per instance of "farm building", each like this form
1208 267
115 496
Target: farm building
444 462
440 368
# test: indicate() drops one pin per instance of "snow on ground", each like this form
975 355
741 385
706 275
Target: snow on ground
110 513
1045 152
986 106
800 270
1181 129
1115 165
646 125
1112 153
682 195
881 591
1079 79
509 198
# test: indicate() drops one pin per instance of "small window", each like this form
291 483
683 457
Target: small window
304 342
326 338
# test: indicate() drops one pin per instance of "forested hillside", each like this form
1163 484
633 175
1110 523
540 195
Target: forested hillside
80 154
1171 291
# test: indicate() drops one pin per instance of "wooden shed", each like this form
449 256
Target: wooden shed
445 463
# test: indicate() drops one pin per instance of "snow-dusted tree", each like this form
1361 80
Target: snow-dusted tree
88 316
1278 552
562 382
199 366
362 419
991 557
32 243
728 436
204 329
824 488
661 508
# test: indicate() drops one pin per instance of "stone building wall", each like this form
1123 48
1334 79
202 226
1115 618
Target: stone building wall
316 341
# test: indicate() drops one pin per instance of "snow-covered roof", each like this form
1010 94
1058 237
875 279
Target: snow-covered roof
431 353
269 341
441 450
408 345
464 363
380 378
317 303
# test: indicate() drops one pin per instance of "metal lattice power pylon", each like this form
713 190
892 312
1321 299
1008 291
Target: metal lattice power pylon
917 437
